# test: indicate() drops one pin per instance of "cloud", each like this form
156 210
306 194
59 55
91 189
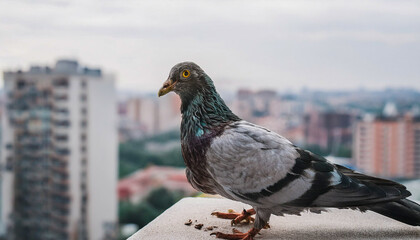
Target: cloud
279 44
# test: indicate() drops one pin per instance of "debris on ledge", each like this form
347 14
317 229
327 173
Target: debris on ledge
335 224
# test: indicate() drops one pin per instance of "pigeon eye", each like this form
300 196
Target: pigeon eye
186 73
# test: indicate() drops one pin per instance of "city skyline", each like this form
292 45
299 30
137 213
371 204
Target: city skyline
278 45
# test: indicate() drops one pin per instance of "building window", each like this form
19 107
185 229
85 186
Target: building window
83 175
20 84
83 83
64 123
60 97
61 110
84 199
45 93
62 151
62 82
9 164
61 138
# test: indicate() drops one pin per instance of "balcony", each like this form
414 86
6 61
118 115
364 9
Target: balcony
59 159
61 90
59 130
335 224
61 104
60 116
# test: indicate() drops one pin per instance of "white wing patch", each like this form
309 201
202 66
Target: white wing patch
335 178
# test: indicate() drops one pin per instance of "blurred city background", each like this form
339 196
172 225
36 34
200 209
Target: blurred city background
88 151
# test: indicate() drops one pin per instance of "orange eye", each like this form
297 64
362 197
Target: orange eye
186 73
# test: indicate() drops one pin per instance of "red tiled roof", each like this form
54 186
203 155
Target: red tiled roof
141 182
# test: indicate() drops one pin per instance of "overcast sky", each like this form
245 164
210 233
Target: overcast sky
255 44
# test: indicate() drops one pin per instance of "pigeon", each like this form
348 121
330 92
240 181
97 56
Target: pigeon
245 162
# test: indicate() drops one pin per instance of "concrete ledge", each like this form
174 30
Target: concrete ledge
335 224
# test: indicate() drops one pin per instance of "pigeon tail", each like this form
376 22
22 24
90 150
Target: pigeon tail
403 210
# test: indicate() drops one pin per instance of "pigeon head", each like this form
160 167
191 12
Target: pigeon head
201 106
187 80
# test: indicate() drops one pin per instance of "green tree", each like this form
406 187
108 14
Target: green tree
152 206
134 155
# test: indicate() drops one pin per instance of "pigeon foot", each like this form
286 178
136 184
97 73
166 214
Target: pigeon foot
237 218
237 234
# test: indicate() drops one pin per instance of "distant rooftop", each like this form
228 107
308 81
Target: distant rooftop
64 66
140 183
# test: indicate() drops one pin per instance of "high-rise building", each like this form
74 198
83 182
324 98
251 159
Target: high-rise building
328 129
388 146
59 153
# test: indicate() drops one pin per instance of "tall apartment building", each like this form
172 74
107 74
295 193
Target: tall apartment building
388 146
59 154
328 129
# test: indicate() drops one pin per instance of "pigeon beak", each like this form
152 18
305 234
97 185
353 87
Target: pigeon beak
168 86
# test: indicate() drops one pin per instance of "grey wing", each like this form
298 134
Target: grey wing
262 168
248 160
